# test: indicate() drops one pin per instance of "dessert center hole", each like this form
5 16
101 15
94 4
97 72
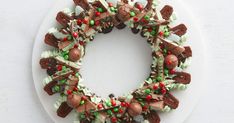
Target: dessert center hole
117 63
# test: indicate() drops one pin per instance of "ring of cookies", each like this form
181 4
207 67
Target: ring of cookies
78 28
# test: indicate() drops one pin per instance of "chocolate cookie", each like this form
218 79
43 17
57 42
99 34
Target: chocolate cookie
51 40
182 77
166 12
153 117
63 18
179 29
171 101
64 110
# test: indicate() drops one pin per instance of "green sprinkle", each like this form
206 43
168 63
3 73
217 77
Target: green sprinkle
132 14
166 34
109 112
63 81
147 91
82 102
82 116
77 74
159 78
166 72
96 114
108 103
99 9
142 104
91 22
66 57
112 9
56 88
64 68
69 37
153 32
116 109
165 51
147 17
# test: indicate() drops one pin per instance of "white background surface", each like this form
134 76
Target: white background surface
19 22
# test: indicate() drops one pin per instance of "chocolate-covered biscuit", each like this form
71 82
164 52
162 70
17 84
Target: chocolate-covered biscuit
47 63
49 86
182 77
63 18
172 47
153 117
179 29
170 101
166 12
82 3
51 40
64 110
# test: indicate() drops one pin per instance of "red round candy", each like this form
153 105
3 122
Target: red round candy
97 13
148 97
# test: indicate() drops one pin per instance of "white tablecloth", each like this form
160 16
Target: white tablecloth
19 23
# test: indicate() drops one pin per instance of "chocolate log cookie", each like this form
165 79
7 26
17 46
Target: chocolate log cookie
64 110
182 77
63 19
179 29
51 40
170 101
166 12
153 117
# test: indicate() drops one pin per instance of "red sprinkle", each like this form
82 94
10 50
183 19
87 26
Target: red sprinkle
172 71
79 21
97 13
75 89
85 21
139 6
84 98
161 33
59 67
144 108
110 4
113 119
100 106
135 19
97 23
65 39
81 43
120 111
161 85
69 92
113 103
75 34
148 97
155 87
123 104
163 90
75 46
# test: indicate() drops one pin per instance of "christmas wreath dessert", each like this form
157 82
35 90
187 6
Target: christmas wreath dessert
79 27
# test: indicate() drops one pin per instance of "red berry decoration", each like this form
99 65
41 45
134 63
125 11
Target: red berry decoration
97 13
59 67
69 92
148 97
75 34
113 119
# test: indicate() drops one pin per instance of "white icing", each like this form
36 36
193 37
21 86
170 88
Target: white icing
47 54
56 33
78 10
47 80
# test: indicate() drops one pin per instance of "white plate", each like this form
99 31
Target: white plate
112 44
